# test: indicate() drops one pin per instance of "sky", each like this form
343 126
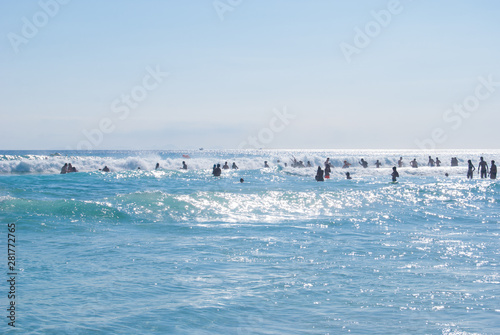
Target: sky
227 74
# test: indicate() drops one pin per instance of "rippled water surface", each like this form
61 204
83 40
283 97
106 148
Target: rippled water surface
182 252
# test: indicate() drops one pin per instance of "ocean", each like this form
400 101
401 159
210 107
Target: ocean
172 251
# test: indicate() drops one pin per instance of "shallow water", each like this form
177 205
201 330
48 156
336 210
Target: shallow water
176 252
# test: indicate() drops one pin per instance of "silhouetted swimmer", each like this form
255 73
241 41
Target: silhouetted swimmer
286 165
241 180
431 162
138 168
184 165
319 174
105 169
327 171
483 168
446 174
265 164
225 166
234 166
470 169
348 175
309 164
64 169
414 163
378 164
327 162
158 166
73 169
394 174
454 161
346 165
400 162
363 163
438 162
493 170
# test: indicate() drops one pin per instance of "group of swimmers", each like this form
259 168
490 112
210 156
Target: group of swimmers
68 168
321 174
216 171
482 169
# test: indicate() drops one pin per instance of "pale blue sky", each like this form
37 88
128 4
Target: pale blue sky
227 76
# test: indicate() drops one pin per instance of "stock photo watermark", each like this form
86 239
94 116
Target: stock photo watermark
455 115
121 108
224 6
265 136
371 30
31 26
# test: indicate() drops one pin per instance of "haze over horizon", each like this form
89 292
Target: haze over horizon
229 74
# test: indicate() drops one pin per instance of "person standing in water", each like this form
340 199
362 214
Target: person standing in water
346 165
394 174
431 162
64 169
327 171
470 169
400 162
414 163
265 164
235 167
378 164
184 165
348 175
438 162
319 174
363 163
483 168
493 170
158 166
225 166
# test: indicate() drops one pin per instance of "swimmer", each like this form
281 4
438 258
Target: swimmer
319 174
346 165
184 165
414 163
241 180
348 175
225 166
158 166
400 162
138 168
64 169
309 164
470 169
378 164
446 174
493 170
431 162
73 169
483 168
265 164
363 163
327 162
327 171
105 169
438 162
394 174
454 161
69 168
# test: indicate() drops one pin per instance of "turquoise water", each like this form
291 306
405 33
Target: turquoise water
183 252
